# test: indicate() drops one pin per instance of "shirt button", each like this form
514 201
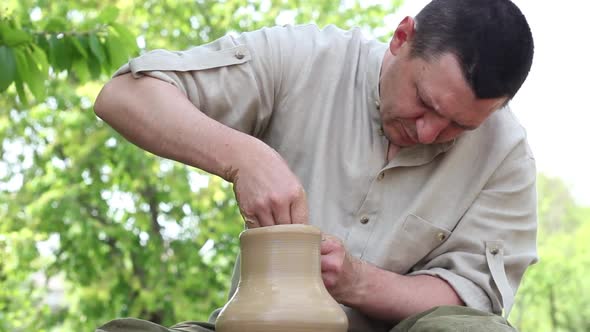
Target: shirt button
381 132
364 220
377 104
494 251
239 55
381 176
441 236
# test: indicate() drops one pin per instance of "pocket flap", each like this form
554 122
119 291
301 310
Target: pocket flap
425 232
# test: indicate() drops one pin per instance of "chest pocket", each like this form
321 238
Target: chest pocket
416 238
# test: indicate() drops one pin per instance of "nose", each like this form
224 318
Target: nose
429 126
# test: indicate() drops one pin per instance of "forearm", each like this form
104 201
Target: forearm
393 297
157 117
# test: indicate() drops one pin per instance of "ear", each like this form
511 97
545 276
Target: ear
403 33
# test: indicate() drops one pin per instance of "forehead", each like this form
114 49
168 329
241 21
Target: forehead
441 80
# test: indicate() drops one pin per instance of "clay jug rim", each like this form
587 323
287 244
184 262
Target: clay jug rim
287 228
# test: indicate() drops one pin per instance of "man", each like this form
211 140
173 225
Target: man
402 153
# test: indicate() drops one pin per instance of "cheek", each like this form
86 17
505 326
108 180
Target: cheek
388 95
398 102
400 107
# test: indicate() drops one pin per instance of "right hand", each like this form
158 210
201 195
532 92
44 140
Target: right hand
267 191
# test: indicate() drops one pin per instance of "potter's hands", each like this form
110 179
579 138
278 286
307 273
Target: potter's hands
268 193
341 272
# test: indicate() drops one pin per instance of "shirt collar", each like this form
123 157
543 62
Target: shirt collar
376 54
420 154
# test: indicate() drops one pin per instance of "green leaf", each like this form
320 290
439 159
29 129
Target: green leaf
42 42
94 67
40 59
22 64
116 51
39 69
32 68
97 49
20 89
53 50
13 37
108 15
76 41
56 24
61 53
81 70
7 67
125 35
70 53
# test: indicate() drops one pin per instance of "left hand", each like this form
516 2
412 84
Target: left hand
341 272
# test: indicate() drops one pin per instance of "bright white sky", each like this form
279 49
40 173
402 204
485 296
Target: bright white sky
551 103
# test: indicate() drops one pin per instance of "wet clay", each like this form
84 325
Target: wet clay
280 287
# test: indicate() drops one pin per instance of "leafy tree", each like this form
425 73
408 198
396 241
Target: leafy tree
83 46
555 294
123 232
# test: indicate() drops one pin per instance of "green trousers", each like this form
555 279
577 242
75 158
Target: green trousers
440 319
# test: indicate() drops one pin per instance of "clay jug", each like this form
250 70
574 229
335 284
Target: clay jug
280 287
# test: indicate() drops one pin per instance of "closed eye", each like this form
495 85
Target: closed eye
423 103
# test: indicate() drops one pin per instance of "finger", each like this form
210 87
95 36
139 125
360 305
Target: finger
329 280
250 222
281 214
327 264
329 244
299 210
264 218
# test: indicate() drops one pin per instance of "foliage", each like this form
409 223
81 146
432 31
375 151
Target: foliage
92 227
82 48
555 294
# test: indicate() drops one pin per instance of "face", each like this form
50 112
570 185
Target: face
425 102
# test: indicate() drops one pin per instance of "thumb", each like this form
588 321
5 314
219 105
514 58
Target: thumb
329 244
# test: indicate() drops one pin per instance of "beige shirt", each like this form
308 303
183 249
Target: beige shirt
463 211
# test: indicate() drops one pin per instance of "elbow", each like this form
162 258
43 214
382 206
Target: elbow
99 108
110 98
101 104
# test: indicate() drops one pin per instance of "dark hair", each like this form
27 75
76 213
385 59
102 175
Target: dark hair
490 38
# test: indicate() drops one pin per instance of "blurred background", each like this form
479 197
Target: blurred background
92 228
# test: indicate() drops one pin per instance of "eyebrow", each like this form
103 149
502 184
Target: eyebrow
428 105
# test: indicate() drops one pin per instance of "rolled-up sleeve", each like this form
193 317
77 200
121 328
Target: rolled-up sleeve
488 252
232 79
